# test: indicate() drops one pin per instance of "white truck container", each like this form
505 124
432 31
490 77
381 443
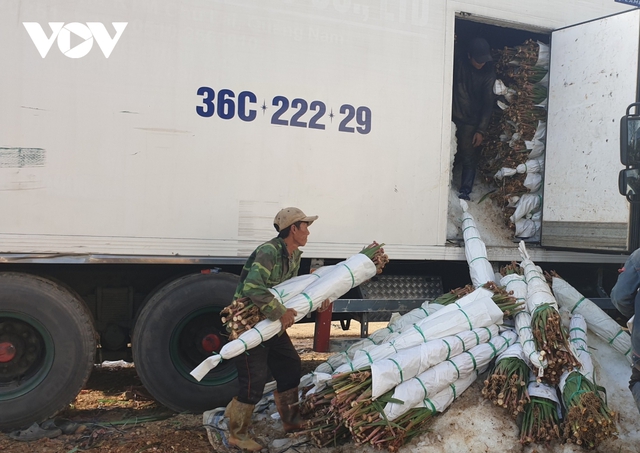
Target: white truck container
142 142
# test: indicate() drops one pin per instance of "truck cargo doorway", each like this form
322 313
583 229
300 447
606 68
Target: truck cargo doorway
590 76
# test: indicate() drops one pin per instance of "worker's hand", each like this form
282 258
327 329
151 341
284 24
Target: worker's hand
621 270
326 304
288 318
477 139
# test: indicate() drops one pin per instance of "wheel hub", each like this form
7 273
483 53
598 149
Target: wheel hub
211 343
7 352
21 349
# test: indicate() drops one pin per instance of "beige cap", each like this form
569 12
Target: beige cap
288 216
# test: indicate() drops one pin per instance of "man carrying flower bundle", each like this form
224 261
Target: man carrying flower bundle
626 299
270 264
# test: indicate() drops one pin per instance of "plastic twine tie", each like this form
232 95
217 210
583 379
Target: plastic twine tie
468 320
580 329
368 356
420 332
577 304
616 336
489 331
495 351
425 311
259 333
472 237
448 348
353 280
455 366
399 369
453 388
432 407
464 346
477 337
424 388
479 258
245 344
473 359
308 300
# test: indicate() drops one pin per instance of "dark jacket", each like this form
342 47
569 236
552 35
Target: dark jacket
472 93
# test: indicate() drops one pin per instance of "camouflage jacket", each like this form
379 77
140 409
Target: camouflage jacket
267 266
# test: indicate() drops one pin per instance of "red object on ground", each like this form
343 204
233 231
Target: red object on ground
322 332
7 352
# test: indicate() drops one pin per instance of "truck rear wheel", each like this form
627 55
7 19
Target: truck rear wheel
47 348
176 330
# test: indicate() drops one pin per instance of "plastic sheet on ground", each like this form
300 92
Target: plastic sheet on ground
408 363
344 276
597 320
437 378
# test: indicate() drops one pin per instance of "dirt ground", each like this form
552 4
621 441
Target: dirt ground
118 415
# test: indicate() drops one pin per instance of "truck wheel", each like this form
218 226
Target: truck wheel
47 348
176 330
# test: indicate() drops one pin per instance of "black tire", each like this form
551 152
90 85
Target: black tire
168 342
47 348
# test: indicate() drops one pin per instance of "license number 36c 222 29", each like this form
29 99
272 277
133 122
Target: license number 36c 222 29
297 112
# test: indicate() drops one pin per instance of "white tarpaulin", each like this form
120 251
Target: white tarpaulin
597 320
437 378
408 363
344 276
480 268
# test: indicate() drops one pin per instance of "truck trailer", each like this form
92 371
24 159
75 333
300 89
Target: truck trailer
146 146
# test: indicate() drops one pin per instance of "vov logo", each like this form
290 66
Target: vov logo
88 32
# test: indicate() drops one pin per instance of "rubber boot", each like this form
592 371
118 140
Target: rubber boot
239 421
287 404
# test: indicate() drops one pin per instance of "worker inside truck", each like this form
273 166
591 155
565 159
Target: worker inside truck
270 264
473 78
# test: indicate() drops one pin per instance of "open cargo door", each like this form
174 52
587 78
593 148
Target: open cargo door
593 77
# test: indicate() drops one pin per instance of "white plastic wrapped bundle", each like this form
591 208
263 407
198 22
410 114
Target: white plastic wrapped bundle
499 88
528 204
578 342
443 399
294 286
528 227
542 390
378 337
411 362
543 55
597 320
437 378
533 181
368 353
480 268
344 276
504 172
538 292
516 283
531 166
479 311
537 149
